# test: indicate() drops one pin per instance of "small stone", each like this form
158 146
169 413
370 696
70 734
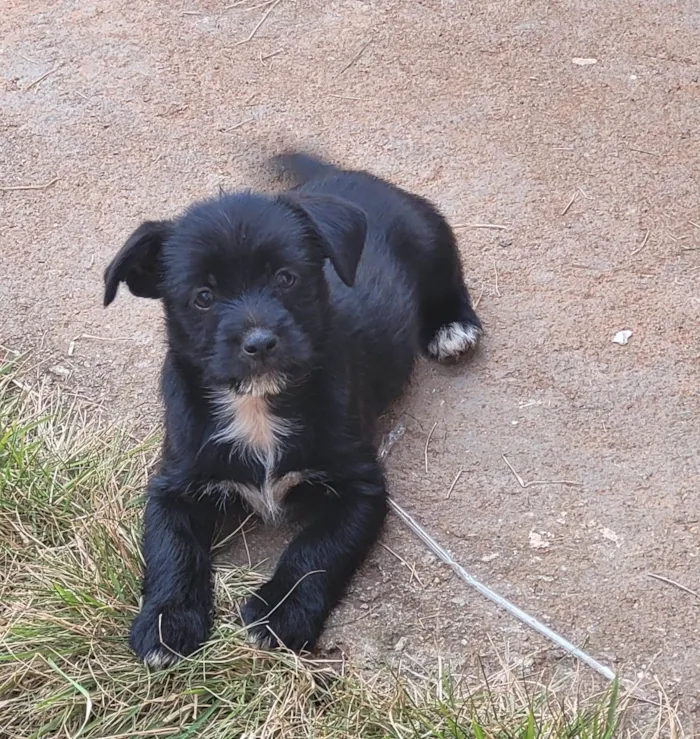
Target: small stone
537 542
60 371
400 644
622 337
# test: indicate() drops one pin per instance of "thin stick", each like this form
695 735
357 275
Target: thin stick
239 124
43 77
643 244
13 188
672 582
693 223
265 57
524 484
355 58
454 482
427 444
221 544
525 618
236 5
571 202
495 272
478 300
644 151
76 339
411 568
260 23
494 226
346 97
245 544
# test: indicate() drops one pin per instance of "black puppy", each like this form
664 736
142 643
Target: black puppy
293 321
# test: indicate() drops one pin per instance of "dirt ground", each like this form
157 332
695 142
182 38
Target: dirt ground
572 126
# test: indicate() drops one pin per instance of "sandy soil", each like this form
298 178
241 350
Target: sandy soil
490 109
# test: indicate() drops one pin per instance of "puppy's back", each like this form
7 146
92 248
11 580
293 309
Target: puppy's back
300 166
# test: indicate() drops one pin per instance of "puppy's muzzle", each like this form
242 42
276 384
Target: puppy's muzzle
259 345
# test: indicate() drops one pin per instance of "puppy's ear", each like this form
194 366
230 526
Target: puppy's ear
340 226
138 262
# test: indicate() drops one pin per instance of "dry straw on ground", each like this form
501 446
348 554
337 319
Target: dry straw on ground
70 492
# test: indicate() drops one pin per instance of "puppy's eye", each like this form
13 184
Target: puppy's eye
284 278
203 298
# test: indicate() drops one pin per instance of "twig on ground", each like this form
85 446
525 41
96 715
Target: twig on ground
524 484
265 57
530 621
346 97
674 583
92 337
478 300
223 542
644 151
13 188
454 482
495 272
427 444
494 226
239 124
260 23
643 244
355 58
236 5
411 567
570 203
40 79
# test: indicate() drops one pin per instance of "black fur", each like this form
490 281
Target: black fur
330 290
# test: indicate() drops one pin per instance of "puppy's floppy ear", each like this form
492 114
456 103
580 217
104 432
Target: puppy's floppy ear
138 262
340 226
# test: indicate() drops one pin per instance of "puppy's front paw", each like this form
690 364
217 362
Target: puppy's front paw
278 615
160 636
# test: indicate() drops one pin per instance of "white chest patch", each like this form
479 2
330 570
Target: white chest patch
247 423
265 500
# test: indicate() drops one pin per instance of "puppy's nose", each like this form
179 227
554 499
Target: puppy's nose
259 343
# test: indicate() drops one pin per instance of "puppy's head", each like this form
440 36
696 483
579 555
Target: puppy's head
243 284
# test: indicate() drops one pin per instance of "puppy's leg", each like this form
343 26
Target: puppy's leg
314 571
176 612
450 326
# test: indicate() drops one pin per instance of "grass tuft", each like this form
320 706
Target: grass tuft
70 495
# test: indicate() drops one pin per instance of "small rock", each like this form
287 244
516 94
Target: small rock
400 644
584 61
490 557
60 371
610 535
537 542
622 337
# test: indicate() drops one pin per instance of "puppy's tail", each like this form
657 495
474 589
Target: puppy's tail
301 167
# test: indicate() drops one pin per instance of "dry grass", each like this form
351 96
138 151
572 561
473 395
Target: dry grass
70 493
